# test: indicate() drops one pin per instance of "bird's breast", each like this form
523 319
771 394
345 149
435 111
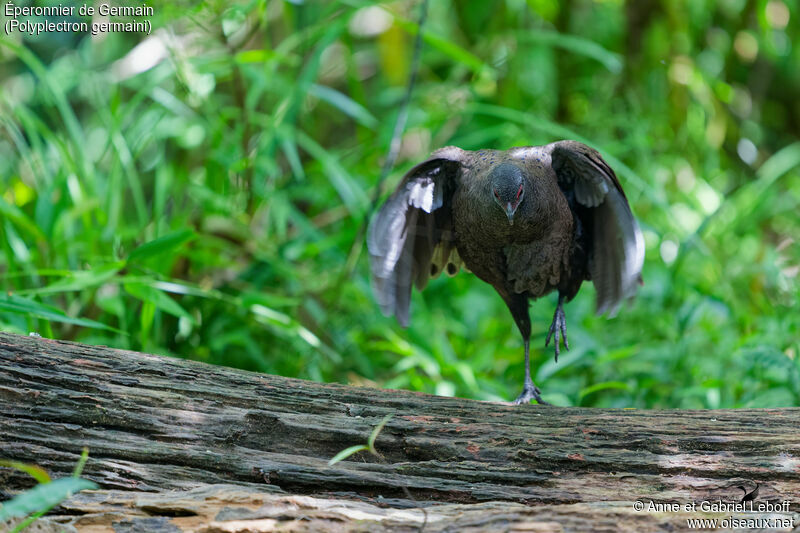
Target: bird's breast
487 223
481 221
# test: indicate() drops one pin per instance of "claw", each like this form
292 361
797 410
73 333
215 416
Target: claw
558 328
530 392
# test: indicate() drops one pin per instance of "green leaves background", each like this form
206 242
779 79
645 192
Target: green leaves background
197 192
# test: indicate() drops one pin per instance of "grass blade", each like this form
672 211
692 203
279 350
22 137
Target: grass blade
347 452
576 45
161 245
24 306
44 496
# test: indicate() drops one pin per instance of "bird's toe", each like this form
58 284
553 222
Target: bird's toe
558 331
530 393
562 325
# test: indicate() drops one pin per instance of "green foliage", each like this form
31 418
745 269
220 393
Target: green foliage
368 447
198 192
44 496
36 472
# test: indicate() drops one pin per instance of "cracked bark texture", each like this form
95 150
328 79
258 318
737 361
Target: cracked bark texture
183 446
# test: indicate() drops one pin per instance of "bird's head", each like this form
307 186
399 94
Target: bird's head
508 188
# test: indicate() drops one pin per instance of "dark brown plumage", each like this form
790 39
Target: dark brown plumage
528 221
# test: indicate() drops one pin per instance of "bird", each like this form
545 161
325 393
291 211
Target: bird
528 221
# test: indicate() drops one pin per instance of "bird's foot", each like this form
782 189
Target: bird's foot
558 326
530 392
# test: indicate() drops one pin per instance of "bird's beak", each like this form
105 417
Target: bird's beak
510 213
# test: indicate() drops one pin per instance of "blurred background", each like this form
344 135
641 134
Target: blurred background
200 192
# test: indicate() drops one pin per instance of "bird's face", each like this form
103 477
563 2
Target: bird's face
508 188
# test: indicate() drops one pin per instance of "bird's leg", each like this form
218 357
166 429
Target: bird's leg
529 390
518 305
558 326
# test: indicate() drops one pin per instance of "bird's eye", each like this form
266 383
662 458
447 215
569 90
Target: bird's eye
496 195
519 192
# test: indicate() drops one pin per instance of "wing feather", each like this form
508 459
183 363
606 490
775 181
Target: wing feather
617 247
410 239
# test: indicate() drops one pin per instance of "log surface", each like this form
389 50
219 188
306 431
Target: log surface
182 445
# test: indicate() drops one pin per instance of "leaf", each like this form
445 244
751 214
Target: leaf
347 452
751 196
18 247
345 104
375 432
21 220
287 110
447 47
80 280
577 45
55 89
35 471
289 147
351 194
285 325
17 304
44 496
254 56
603 386
162 244
159 299
233 20
76 472
180 287
779 164
774 397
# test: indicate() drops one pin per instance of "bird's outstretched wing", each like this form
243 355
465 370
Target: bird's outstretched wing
616 250
411 237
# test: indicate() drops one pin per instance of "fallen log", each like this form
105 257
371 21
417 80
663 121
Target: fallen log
180 445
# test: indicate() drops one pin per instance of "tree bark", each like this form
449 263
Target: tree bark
180 445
